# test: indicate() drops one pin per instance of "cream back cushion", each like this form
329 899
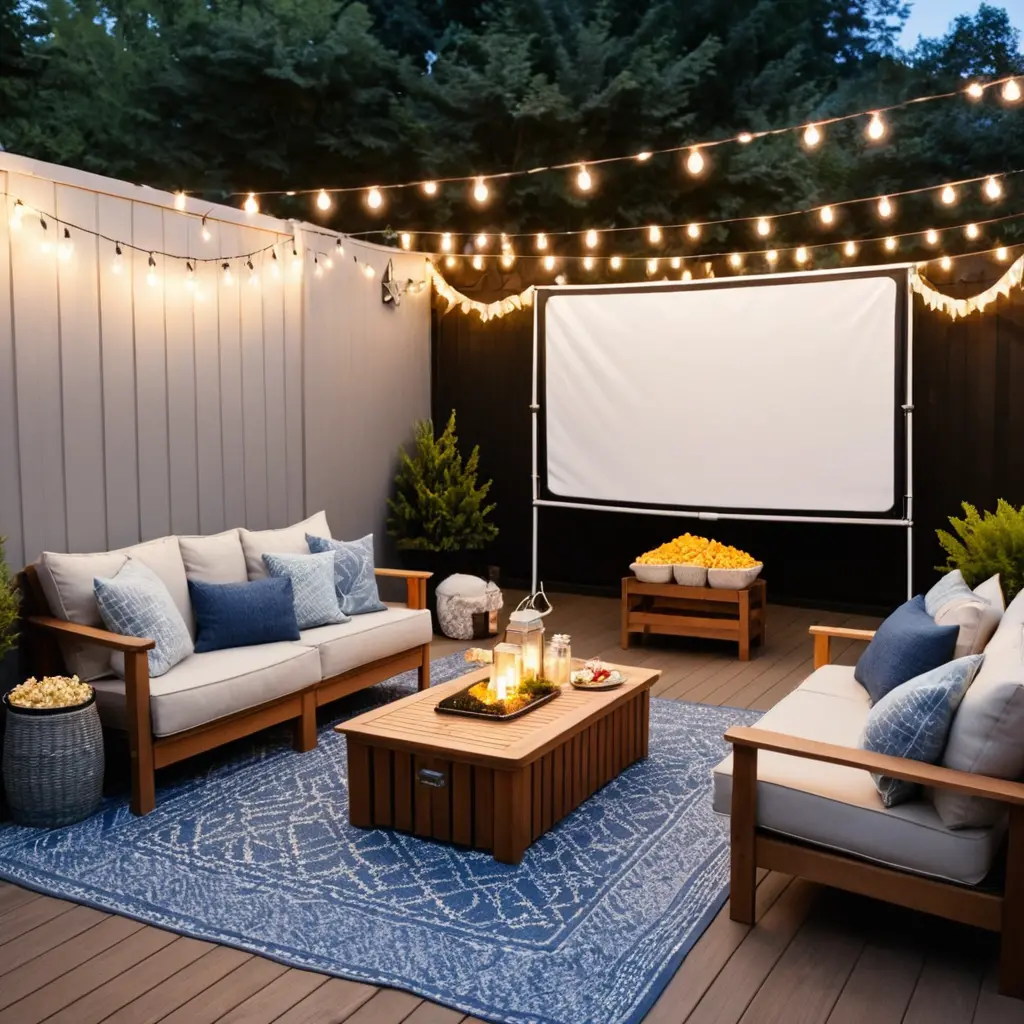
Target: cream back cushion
987 735
977 612
218 558
289 541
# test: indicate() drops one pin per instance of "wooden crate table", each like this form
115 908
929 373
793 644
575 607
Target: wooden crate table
494 786
672 609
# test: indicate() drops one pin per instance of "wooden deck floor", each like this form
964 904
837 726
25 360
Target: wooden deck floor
816 956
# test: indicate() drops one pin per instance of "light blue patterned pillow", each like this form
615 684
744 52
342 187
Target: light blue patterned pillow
354 578
312 576
913 720
135 602
952 587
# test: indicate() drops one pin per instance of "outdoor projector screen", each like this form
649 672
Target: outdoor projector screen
773 395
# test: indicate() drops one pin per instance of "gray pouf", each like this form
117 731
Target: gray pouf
459 599
53 763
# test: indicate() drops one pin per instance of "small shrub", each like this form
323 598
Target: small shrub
985 544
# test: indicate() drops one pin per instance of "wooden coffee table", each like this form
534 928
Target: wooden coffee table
494 786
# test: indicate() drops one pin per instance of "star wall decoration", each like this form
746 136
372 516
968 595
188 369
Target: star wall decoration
391 290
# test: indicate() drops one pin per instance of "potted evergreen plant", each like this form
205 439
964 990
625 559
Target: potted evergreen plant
987 543
439 514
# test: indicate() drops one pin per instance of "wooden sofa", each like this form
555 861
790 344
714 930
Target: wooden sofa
1000 910
41 654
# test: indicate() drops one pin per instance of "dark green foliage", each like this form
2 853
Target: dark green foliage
438 505
8 607
985 544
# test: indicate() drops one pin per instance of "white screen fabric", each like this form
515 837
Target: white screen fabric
775 397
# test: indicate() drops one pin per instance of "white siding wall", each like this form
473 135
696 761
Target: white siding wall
129 411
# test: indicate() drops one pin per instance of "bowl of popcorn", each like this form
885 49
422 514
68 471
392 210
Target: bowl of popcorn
695 560
49 695
651 572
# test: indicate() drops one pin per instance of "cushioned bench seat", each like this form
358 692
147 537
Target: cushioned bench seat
839 807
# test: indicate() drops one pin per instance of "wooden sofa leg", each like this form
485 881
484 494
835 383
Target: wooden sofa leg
424 669
1011 957
743 837
140 732
304 735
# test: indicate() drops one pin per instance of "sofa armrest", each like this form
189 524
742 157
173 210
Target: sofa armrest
415 584
752 740
823 640
91 635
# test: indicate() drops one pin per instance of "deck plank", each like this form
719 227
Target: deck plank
278 997
387 1006
332 1003
223 996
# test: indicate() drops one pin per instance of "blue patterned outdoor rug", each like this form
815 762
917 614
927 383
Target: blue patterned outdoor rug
255 851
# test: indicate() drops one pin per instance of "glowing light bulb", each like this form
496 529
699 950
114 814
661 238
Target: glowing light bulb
549 262
695 162
251 204
405 240
226 276
675 263
190 277
735 261
1002 254
339 249
478 262
1011 91
254 277
812 136
368 271
429 188
66 247
542 241
508 259
615 263
801 255
17 213
827 214
764 227
687 275
772 257
118 265
296 262
993 189
179 200
583 179
890 244
446 242
323 200
481 191
744 138
975 90
972 231
876 127
318 270
693 231
588 262
205 231
885 207
152 278
450 261
481 241
946 263
850 249
374 199
652 266
931 236
643 156
590 240
948 195
654 234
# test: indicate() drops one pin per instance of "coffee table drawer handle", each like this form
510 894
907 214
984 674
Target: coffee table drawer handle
429 777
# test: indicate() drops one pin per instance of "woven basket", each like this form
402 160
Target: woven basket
53 763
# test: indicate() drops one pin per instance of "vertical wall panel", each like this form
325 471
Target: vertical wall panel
38 372
82 377
10 469
294 377
231 423
181 380
274 377
117 338
254 391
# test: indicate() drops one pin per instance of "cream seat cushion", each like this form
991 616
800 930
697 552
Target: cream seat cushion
205 687
291 540
367 638
839 807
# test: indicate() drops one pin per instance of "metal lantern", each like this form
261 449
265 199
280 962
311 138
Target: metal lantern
507 671
526 628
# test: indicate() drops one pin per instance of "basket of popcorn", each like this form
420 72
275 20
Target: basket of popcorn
53 751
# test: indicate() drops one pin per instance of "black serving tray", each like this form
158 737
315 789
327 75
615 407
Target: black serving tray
451 705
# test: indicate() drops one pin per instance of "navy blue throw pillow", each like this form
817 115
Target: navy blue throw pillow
243 614
906 645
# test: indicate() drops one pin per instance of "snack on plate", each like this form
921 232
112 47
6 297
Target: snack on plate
692 550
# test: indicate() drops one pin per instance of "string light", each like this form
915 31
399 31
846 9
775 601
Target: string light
429 188
152 278
735 261
254 278
652 266
827 214
676 262
478 262
446 242
764 227
812 136
66 247
772 257
374 199
615 263
885 208
687 275
450 261
368 271
179 200
118 265
296 262
876 127
190 276
946 263
1002 254
481 241
850 249
975 90
693 231
890 244
549 262
275 269
405 241
1011 91
643 156
45 245
801 255
583 179
481 191
972 231
931 236
339 250
251 204
508 259
695 162
323 200
17 213
590 240
542 241
205 231
588 262
654 234
318 271
744 138
226 277
993 189
948 195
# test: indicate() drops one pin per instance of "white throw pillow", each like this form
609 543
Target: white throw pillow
289 541
218 558
987 735
977 612
992 591
67 582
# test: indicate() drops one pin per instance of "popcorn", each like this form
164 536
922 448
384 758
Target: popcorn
691 550
50 692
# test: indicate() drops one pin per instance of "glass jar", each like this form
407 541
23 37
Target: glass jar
558 659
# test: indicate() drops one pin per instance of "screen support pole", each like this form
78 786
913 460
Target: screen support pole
908 410
535 494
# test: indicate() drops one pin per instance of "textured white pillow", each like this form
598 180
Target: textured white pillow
218 558
289 541
987 735
992 591
977 612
